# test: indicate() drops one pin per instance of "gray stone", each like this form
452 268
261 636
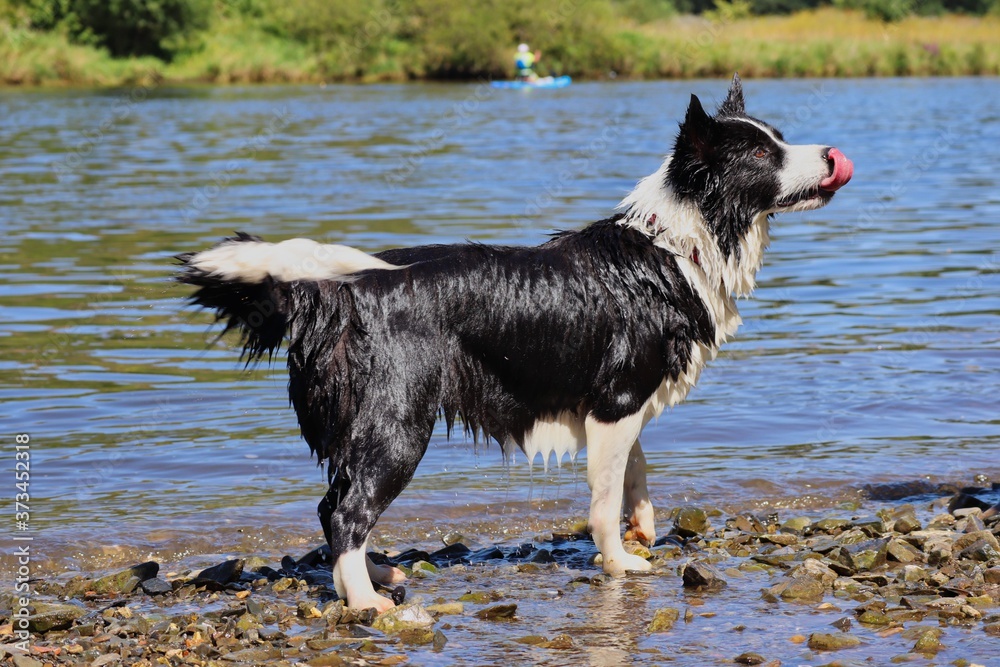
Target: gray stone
691 521
47 616
156 586
405 617
663 619
221 574
701 575
497 612
816 570
820 641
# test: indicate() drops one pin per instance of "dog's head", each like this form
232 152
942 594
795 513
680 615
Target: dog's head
735 168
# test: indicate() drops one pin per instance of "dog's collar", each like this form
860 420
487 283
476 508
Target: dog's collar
694 257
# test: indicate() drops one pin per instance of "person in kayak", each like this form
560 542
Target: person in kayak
525 60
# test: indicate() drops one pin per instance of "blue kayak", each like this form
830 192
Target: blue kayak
544 82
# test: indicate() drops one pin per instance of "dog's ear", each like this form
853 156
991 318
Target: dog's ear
733 105
696 130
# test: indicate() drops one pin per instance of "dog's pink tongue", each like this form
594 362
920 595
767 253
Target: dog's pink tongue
843 169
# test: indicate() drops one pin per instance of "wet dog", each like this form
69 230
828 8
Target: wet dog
575 343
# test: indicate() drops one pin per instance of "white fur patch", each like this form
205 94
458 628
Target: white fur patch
294 259
680 228
558 436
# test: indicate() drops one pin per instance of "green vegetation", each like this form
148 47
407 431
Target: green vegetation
111 42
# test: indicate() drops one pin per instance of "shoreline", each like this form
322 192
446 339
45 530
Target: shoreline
810 44
917 579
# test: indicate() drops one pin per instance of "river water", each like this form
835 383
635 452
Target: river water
870 353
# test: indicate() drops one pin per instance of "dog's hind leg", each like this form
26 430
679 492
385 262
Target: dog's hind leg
380 574
638 509
360 491
608 448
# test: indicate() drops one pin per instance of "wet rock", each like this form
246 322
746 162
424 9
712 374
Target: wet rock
120 583
407 617
48 616
968 539
531 640
902 551
797 524
542 556
992 575
746 523
452 538
497 612
700 575
796 590
784 539
842 624
307 610
981 551
483 555
359 616
318 557
559 642
424 566
22 660
906 524
867 555
913 574
831 525
156 586
447 609
479 597
452 553
221 574
929 641
439 640
815 569
254 656
638 549
749 658
992 629
962 500
416 636
819 641
691 522
663 619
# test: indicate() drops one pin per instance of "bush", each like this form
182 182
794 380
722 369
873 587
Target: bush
124 27
880 10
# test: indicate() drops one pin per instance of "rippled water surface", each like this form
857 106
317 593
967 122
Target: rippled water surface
870 353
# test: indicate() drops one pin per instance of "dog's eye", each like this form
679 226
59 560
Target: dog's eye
760 153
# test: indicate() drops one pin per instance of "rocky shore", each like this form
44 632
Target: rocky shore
906 582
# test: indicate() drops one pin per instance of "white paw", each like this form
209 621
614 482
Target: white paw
374 600
623 562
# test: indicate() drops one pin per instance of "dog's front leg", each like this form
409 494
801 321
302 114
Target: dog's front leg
638 509
608 447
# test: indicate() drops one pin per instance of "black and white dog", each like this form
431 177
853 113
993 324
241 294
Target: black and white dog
575 343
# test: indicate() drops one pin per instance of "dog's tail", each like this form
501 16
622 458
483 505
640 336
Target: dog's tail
247 282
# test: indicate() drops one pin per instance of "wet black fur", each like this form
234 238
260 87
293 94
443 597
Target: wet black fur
590 322
714 165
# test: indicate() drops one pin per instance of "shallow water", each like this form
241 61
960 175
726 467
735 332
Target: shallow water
870 353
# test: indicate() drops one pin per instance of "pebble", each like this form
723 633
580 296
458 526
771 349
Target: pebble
819 641
663 619
702 576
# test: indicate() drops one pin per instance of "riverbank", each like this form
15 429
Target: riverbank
889 581
822 43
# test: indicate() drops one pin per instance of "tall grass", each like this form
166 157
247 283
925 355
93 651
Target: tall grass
394 40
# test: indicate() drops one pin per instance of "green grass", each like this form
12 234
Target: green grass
397 40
